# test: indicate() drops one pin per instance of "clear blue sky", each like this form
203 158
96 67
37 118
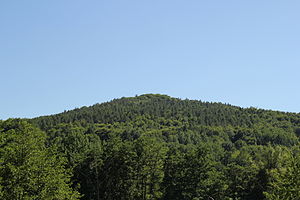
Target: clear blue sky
61 54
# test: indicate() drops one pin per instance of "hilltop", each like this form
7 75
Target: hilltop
163 106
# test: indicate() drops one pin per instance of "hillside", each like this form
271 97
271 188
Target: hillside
158 147
162 106
195 117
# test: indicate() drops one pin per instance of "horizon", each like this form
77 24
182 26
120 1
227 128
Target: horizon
58 56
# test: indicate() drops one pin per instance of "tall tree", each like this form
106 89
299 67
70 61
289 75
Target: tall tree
150 160
284 180
28 169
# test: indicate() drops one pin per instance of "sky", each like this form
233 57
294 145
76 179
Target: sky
63 54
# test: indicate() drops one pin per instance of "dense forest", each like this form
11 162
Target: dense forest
152 147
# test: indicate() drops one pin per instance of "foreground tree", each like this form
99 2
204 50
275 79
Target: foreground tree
149 172
30 170
84 156
284 179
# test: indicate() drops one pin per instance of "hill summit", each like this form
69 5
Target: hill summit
162 106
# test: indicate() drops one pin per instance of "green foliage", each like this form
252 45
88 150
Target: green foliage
154 147
149 167
132 170
28 169
284 180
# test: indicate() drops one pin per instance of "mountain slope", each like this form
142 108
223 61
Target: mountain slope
156 106
158 147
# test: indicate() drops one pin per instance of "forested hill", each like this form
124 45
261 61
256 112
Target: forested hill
156 106
152 147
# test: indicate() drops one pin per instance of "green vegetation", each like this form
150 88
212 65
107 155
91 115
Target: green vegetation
152 147
30 170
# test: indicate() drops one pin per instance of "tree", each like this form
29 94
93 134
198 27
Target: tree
284 180
200 176
117 173
28 169
84 156
149 172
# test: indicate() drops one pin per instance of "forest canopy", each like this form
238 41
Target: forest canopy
152 147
